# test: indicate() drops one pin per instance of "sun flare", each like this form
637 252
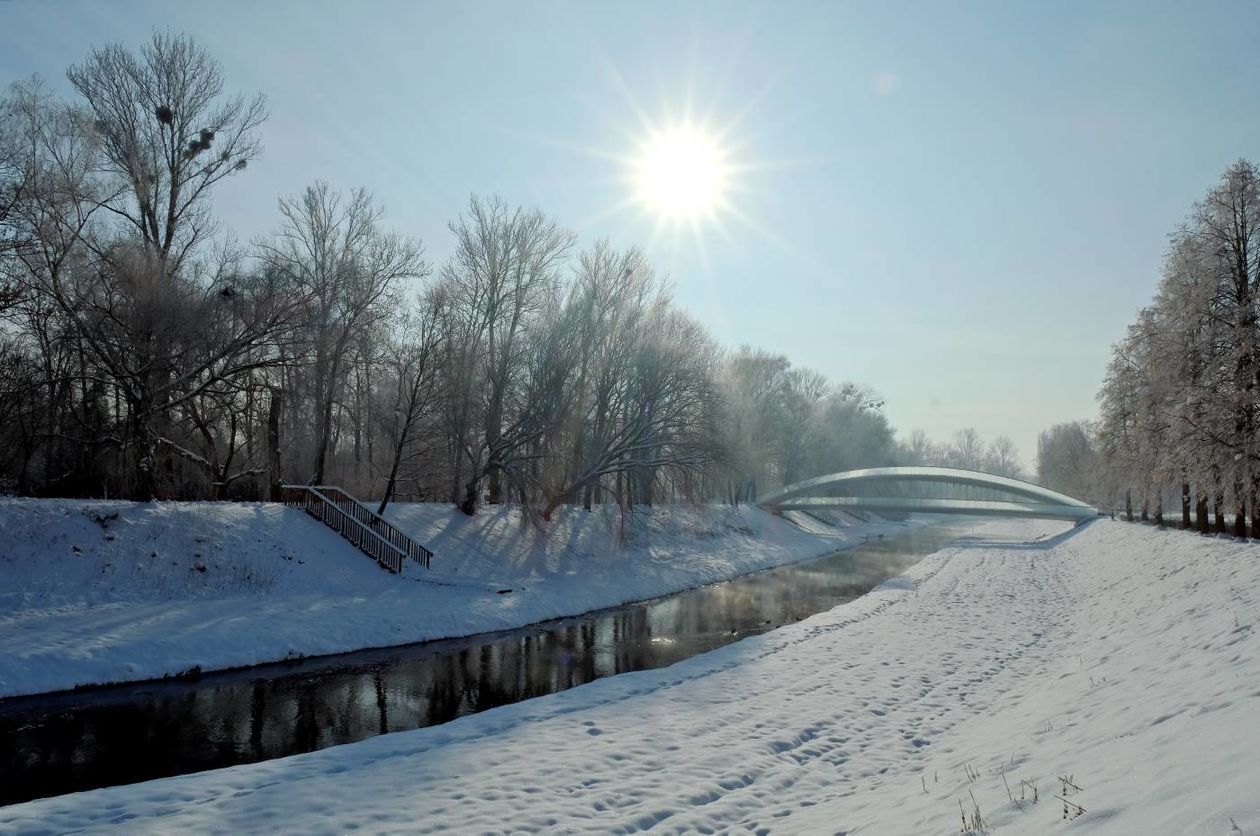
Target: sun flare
680 173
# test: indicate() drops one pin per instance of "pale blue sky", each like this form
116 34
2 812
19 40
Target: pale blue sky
961 204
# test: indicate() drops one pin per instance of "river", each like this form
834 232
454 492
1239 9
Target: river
100 737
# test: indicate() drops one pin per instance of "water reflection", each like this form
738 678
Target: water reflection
53 745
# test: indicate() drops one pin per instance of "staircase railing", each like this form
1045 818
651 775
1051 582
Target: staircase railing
371 533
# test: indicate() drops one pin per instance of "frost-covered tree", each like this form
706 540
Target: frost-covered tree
918 449
334 254
1065 458
109 244
1180 404
1002 458
503 277
966 450
754 387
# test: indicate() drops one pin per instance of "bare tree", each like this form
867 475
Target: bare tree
115 198
48 161
348 272
967 450
412 394
504 274
920 450
659 411
1002 458
167 136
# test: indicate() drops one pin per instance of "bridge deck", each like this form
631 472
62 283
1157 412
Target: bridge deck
937 490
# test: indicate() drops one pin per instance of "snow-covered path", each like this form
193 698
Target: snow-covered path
1121 655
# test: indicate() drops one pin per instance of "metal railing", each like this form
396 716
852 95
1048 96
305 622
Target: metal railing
370 533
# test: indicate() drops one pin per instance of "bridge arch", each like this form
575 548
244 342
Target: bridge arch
938 490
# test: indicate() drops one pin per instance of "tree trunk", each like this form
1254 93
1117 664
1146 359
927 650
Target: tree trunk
494 489
273 447
1185 505
1240 512
1253 499
1128 504
322 441
1201 514
469 505
1218 502
392 481
358 442
323 420
457 462
144 484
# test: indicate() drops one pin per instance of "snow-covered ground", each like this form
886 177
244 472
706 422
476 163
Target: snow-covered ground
1120 656
94 592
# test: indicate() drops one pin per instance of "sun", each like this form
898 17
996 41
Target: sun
680 173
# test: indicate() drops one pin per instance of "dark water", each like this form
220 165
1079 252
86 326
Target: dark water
129 733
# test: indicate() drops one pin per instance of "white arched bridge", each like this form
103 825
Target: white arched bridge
931 490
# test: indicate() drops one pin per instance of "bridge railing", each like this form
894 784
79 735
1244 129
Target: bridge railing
973 507
902 489
907 479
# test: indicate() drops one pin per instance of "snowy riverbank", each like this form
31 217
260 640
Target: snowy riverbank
94 592
1120 655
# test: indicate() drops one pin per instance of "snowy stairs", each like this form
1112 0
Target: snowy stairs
370 533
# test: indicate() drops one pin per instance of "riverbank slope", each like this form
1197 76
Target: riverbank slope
1121 657
94 592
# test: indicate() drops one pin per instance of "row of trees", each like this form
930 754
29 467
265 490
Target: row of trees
1179 404
143 353
967 450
